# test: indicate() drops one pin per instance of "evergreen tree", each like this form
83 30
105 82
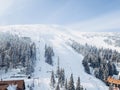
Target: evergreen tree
61 78
49 54
57 88
71 83
85 64
78 84
52 79
66 87
58 69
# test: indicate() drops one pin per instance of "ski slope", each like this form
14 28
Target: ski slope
70 60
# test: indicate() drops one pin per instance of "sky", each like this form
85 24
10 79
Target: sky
83 15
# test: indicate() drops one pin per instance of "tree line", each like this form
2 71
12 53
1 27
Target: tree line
49 53
17 51
97 61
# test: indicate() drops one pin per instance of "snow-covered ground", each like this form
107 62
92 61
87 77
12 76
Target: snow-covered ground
70 60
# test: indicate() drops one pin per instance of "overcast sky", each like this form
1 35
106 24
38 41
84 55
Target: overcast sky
84 15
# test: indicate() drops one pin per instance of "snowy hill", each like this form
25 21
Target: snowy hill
71 61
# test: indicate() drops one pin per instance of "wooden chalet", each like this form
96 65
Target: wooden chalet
113 82
20 84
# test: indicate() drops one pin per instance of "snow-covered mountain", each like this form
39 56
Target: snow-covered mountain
70 60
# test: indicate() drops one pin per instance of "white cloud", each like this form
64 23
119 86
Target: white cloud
5 5
108 21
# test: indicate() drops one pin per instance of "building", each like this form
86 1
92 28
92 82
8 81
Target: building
20 84
114 84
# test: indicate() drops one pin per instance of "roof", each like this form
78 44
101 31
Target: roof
113 81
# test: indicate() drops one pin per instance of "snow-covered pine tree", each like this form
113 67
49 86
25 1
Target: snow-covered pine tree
58 69
52 80
16 51
86 66
57 87
49 54
66 85
78 84
71 83
61 78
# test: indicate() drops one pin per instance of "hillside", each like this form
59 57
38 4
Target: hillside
57 37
